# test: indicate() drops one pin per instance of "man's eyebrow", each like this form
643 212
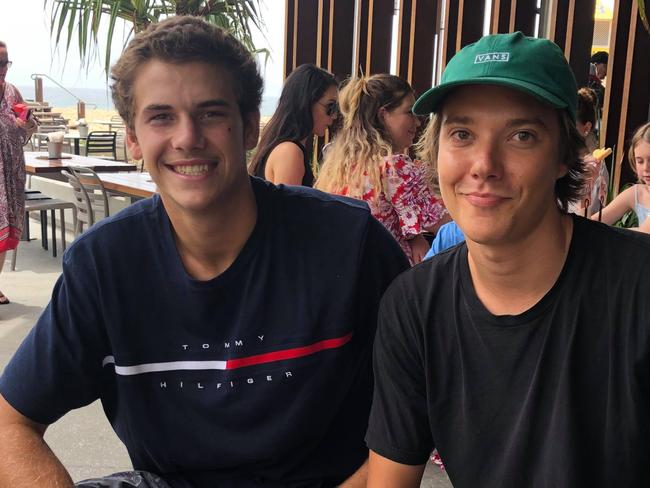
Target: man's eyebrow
218 102
159 107
156 107
457 119
465 120
527 121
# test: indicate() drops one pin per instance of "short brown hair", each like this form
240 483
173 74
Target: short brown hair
641 134
183 39
568 189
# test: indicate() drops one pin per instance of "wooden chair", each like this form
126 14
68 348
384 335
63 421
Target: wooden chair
90 195
102 142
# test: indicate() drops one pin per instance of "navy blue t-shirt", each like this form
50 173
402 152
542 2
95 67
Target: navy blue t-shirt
259 377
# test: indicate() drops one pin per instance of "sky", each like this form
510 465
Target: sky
25 28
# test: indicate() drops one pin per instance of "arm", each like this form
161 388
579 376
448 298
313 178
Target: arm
27 460
384 473
617 208
644 227
359 479
285 165
419 247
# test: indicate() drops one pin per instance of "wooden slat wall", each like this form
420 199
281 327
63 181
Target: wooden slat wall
416 27
627 97
513 15
573 31
374 35
301 33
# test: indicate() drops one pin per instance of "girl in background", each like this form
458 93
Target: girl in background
637 197
369 160
307 107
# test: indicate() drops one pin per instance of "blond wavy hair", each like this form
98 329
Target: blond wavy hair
362 143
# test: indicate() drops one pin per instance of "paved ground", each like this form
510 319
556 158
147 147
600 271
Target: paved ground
83 439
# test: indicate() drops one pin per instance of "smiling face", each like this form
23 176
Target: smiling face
401 124
498 161
319 110
190 133
642 161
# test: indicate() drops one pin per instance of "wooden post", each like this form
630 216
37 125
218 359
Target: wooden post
81 110
38 89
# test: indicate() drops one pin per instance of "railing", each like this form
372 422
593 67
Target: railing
38 93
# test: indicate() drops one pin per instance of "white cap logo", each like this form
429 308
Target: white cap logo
490 57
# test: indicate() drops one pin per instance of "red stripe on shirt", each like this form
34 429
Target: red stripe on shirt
296 352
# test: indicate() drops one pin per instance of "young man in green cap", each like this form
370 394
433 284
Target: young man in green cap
521 355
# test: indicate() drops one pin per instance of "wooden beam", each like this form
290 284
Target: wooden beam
416 27
374 35
302 33
523 18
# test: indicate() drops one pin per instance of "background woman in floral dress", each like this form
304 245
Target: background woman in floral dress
13 133
369 160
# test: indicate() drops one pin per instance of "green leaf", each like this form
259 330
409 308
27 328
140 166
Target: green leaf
84 18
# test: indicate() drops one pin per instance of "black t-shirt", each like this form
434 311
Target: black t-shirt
258 377
554 397
307 179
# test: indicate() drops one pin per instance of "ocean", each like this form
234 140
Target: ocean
101 98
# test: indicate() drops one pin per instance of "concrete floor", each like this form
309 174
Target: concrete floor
83 439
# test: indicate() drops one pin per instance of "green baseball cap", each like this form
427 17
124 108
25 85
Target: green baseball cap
535 66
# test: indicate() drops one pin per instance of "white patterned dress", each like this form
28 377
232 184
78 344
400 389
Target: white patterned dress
12 171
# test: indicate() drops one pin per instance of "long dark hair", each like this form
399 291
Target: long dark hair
292 120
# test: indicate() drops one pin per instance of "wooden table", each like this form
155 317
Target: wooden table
132 184
53 167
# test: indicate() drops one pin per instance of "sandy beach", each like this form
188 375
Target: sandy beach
70 113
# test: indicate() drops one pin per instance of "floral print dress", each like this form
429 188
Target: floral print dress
405 205
12 171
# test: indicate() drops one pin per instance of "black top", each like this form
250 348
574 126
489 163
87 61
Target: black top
557 396
258 377
307 179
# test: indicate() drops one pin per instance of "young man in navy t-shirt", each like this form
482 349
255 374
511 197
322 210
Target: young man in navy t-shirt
226 323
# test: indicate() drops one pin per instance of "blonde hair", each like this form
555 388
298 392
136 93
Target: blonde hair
641 134
362 143
426 149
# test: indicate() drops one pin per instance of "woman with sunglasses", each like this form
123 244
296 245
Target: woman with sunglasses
369 160
14 132
307 107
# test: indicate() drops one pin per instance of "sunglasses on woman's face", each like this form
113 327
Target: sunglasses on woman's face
331 107
5 64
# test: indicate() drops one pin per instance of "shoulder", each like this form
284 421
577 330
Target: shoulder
429 279
116 234
309 202
287 150
616 244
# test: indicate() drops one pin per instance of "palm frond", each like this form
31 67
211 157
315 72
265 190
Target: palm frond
84 19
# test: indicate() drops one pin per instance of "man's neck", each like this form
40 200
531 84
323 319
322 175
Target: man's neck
209 243
510 279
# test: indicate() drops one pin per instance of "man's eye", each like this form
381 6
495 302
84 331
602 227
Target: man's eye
524 136
460 134
212 114
160 117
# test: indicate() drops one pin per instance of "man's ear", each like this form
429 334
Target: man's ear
252 130
132 144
